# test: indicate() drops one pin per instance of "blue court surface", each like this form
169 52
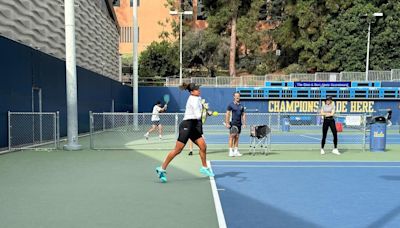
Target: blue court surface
308 194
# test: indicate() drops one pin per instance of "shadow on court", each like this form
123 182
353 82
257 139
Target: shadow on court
384 221
234 175
391 178
256 213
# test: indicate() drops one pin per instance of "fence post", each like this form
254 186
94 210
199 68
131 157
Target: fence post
176 124
391 75
365 131
91 128
104 122
55 130
216 81
127 119
58 128
9 130
270 134
279 121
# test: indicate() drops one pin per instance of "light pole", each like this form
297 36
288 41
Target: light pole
369 37
180 13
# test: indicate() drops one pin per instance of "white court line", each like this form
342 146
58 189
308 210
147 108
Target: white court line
310 137
303 161
308 166
217 201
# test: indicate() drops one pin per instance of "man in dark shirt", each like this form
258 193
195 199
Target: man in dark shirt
235 116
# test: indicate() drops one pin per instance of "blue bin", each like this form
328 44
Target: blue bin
285 124
377 137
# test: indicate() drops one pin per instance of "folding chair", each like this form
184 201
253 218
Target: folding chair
259 137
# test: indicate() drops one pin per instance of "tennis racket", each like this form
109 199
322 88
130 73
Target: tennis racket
166 98
234 130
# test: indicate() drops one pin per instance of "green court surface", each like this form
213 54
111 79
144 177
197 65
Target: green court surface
119 188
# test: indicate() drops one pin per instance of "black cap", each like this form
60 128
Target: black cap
193 86
329 98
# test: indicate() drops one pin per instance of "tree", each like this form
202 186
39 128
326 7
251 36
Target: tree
200 49
222 19
159 59
331 35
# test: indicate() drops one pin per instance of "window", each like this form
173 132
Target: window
126 35
138 3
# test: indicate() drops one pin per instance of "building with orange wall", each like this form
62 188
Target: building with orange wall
150 14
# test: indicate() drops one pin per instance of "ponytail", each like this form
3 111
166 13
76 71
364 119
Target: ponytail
185 86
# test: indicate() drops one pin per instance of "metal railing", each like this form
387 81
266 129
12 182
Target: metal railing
291 131
33 130
259 80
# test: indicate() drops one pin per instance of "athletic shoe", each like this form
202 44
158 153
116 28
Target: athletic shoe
322 151
190 153
236 153
207 171
335 151
146 136
160 137
162 174
231 153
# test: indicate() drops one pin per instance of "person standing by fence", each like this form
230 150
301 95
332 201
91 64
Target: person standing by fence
328 112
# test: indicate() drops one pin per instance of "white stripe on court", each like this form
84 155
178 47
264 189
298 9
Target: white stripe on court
310 137
308 166
217 202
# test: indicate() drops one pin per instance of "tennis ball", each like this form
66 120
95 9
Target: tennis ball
215 113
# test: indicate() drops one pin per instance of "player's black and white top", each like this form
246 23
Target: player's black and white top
193 108
156 113
191 126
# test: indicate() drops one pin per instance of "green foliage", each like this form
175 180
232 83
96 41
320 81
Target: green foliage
294 68
329 35
127 59
159 59
332 35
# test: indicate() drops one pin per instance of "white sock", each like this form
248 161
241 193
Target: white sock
236 149
230 150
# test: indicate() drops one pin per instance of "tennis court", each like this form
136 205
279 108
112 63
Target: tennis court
308 194
119 188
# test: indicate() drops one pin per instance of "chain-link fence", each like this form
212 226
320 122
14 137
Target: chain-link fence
295 132
33 130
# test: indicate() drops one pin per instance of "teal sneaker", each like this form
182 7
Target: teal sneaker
207 171
162 174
